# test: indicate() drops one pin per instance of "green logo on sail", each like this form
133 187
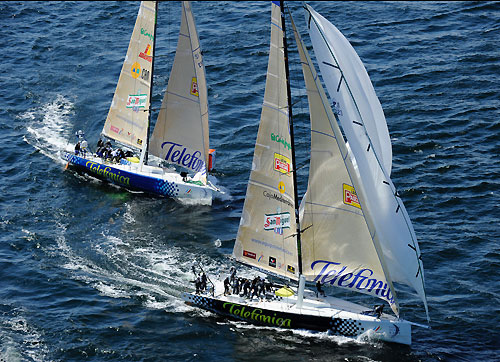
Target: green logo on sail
146 33
278 138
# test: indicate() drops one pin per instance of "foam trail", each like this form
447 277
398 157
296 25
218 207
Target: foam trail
49 126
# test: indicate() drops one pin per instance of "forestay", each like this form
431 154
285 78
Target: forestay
266 236
359 111
127 120
181 134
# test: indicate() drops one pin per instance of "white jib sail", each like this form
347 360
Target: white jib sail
127 120
181 134
337 246
360 114
266 236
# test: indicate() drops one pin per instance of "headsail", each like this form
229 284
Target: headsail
362 119
127 120
266 236
337 245
181 134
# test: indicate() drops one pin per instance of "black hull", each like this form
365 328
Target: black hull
272 318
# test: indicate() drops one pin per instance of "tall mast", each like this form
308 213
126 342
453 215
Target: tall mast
292 141
151 86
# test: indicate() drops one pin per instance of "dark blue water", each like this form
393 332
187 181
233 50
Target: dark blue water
89 272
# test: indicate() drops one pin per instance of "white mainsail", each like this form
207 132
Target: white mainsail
337 245
181 134
127 120
359 111
266 236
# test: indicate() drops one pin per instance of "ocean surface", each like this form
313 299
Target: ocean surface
90 272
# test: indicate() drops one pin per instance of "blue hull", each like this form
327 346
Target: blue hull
136 181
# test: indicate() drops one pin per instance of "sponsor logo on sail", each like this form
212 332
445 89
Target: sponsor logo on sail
194 87
272 262
257 315
280 139
135 70
281 163
280 220
290 269
274 196
281 187
137 100
272 246
249 254
336 108
336 274
146 54
179 155
114 129
350 196
147 33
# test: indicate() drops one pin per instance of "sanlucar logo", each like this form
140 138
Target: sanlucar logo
273 221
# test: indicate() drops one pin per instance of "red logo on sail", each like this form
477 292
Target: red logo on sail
194 87
249 254
350 197
146 54
281 163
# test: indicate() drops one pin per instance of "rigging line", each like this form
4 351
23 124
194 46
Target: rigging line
292 140
146 150
301 231
153 109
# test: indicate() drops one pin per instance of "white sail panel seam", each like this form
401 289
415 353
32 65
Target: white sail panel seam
132 123
145 7
276 25
359 213
261 184
183 97
276 108
324 134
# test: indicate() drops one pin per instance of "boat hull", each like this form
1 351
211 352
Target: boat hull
281 314
151 180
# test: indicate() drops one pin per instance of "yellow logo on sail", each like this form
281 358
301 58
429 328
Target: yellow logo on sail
194 87
135 70
281 163
350 197
281 187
